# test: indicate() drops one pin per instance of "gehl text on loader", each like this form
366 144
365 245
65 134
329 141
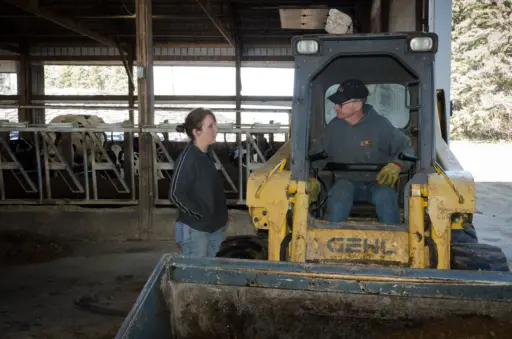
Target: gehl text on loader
302 276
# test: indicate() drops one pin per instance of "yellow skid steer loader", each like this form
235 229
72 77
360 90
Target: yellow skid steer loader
305 277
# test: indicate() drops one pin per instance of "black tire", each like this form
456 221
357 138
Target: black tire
244 247
466 235
471 256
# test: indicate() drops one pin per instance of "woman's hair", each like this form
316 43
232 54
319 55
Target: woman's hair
194 120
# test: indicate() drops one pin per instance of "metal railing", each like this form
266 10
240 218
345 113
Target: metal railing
82 180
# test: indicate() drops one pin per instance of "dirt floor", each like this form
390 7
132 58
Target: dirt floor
57 298
86 290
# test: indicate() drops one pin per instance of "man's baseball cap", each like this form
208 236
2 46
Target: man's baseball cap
348 90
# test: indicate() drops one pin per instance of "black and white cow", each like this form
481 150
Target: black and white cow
263 146
117 156
24 151
78 143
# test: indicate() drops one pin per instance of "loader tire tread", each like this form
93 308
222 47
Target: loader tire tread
465 236
474 256
244 247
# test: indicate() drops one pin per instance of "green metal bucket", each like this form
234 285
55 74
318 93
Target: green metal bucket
233 298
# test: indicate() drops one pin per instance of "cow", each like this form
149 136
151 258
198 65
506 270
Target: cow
263 146
24 152
117 156
77 143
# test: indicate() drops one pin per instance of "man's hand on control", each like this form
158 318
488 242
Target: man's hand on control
388 175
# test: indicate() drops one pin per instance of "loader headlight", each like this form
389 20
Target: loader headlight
421 44
307 47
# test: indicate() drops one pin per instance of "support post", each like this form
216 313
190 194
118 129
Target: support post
364 10
25 91
131 85
439 22
238 103
128 136
37 83
385 8
146 115
24 84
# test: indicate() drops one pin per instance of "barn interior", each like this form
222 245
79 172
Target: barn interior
91 198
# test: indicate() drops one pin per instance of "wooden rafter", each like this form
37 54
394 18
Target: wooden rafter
10 48
225 33
60 20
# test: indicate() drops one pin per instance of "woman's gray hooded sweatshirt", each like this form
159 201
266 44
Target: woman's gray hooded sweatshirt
197 191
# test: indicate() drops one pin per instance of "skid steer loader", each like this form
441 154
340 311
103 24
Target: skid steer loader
305 277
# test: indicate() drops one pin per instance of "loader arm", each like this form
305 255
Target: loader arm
267 198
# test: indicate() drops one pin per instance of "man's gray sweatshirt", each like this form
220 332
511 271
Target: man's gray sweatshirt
372 140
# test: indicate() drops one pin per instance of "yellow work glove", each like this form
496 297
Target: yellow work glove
313 189
388 175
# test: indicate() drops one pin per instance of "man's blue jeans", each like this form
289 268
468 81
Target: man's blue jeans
196 243
345 192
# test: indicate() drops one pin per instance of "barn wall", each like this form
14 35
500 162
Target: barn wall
101 224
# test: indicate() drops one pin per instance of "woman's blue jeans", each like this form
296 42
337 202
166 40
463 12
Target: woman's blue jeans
196 243
345 192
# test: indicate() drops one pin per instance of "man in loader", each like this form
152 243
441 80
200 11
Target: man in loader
359 135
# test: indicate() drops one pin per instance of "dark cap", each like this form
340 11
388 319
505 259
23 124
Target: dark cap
348 90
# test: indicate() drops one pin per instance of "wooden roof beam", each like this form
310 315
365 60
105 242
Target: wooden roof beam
10 48
62 21
225 33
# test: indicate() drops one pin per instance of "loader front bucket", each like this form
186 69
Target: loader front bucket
232 298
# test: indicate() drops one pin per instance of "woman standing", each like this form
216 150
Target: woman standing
197 189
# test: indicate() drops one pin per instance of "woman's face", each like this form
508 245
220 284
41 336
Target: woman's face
208 133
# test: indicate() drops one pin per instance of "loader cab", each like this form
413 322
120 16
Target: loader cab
398 72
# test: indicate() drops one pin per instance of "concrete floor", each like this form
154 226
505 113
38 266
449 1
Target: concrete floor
38 300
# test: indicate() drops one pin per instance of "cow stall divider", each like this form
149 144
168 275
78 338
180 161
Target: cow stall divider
50 165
